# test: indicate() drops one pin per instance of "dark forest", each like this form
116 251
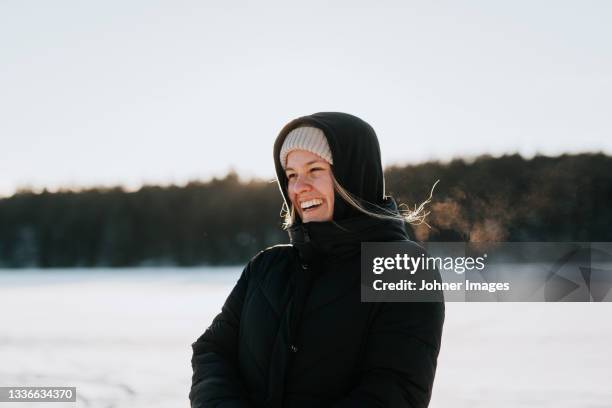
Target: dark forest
226 221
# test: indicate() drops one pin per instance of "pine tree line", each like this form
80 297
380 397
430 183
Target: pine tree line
226 221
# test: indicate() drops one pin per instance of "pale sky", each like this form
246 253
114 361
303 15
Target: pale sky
132 92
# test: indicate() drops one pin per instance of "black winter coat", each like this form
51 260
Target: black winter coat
294 333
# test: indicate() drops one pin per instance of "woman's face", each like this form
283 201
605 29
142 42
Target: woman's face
310 188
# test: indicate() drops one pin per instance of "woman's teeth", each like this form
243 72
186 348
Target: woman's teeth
311 203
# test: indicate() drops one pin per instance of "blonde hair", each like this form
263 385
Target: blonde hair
415 216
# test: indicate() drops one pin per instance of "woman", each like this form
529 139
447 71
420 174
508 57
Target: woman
293 331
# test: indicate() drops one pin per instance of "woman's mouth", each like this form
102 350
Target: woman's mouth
310 205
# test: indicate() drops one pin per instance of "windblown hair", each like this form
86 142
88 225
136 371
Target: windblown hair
415 216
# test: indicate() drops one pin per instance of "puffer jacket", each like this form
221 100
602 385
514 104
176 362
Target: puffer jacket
294 333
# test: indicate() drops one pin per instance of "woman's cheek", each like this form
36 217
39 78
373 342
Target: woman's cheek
293 201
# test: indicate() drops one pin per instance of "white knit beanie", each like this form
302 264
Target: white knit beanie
306 138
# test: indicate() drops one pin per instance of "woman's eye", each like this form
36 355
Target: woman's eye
290 176
316 169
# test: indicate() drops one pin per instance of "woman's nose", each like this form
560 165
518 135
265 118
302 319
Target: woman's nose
301 185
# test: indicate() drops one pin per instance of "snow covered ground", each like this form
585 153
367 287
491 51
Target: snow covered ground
122 337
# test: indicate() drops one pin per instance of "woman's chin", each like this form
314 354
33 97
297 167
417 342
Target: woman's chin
315 217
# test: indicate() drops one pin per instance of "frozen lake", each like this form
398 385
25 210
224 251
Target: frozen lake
123 337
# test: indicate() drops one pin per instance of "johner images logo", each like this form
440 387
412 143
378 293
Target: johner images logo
492 272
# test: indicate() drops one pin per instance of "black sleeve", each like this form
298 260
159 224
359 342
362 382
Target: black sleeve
400 357
216 381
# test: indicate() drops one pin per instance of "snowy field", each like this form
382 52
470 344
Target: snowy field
122 337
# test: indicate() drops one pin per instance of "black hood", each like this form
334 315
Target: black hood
356 155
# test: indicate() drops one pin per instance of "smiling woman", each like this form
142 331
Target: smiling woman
293 332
